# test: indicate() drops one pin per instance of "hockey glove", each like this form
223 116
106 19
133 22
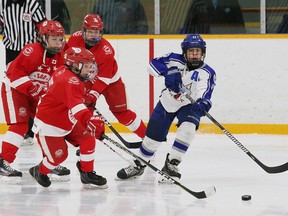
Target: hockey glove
173 80
200 106
37 91
90 98
96 127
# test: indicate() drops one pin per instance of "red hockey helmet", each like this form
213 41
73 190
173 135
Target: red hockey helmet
51 28
76 57
92 22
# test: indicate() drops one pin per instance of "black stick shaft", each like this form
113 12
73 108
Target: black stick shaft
200 195
132 145
271 170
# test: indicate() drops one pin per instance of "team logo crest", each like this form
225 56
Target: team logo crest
58 153
107 50
27 17
22 111
74 80
76 49
27 51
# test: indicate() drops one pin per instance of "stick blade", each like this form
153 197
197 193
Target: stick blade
206 193
210 191
132 145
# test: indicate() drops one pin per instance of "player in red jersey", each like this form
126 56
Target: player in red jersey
57 114
25 81
108 81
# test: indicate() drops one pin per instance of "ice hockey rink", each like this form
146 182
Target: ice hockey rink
211 160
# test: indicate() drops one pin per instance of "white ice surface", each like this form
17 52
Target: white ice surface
211 160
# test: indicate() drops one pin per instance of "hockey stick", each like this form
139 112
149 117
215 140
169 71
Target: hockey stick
132 145
112 149
271 170
200 195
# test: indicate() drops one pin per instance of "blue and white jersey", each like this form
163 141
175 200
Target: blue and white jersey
199 82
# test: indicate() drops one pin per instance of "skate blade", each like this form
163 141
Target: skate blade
131 178
56 178
92 186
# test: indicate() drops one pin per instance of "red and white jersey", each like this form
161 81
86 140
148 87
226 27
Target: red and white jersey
61 107
33 66
104 55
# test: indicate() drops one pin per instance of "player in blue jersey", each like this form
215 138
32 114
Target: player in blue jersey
186 71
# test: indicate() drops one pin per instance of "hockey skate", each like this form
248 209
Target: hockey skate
171 169
7 170
59 174
28 141
91 180
132 171
43 180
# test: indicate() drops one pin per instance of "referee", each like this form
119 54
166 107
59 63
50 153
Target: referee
19 20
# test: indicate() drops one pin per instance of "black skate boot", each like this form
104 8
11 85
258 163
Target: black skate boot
91 179
7 170
60 173
170 168
40 178
131 171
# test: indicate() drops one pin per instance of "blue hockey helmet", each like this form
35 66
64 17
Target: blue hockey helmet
194 41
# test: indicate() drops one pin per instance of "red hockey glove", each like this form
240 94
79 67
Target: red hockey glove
38 90
96 127
91 98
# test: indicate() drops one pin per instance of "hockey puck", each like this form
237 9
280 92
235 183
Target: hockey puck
246 197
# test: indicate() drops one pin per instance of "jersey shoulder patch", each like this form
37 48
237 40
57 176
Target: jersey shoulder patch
74 81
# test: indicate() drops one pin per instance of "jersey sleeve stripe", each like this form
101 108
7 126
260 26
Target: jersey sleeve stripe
78 108
20 81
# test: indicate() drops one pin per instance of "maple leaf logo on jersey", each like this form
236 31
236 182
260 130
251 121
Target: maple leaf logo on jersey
107 50
74 81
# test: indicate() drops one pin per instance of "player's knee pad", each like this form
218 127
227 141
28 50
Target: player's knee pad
149 147
186 132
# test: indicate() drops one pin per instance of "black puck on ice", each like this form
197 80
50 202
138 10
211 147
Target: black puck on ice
246 197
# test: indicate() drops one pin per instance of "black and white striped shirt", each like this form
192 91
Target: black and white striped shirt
19 22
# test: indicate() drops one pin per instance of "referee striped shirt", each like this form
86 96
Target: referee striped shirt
19 22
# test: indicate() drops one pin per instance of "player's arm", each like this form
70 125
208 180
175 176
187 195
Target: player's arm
91 124
102 80
19 70
38 15
205 87
163 67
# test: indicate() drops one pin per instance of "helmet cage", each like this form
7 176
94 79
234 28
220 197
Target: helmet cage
94 22
194 41
91 41
76 57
